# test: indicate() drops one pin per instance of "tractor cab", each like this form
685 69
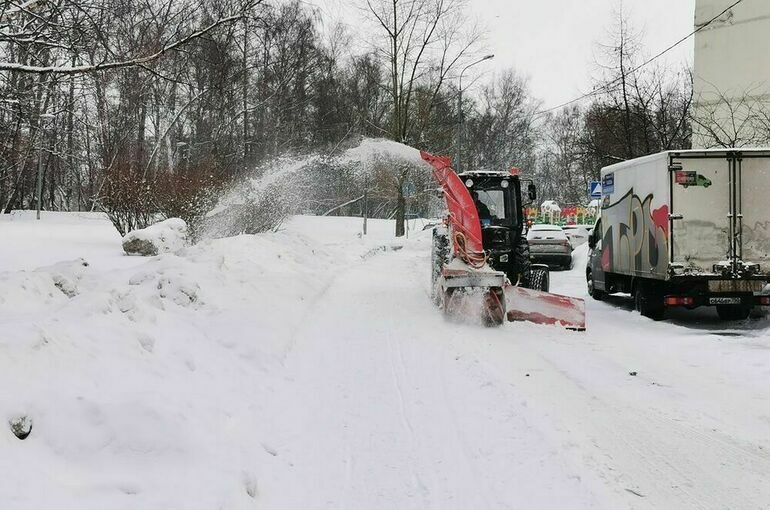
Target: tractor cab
499 202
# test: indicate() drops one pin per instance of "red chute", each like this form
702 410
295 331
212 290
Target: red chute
463 215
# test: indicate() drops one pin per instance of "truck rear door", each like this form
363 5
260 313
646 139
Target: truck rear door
700 211
753 201
720 209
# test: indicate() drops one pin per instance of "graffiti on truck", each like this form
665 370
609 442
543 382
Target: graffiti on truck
635 237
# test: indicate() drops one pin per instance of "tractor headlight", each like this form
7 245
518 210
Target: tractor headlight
504 184
469 183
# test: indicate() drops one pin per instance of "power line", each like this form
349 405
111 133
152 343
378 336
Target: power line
606 86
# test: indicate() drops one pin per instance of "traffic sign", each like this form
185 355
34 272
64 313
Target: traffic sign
595 189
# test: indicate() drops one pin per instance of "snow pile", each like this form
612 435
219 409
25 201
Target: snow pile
163 237
34 291
148 384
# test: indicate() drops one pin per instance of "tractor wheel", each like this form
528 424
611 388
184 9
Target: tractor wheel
538 278
439 257
521 263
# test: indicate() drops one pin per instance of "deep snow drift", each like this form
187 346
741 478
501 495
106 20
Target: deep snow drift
307 368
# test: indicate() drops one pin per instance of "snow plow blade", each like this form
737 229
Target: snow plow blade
545 308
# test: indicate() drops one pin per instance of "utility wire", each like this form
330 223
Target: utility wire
606 86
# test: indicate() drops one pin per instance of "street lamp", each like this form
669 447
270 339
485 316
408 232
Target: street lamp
43 123
461 126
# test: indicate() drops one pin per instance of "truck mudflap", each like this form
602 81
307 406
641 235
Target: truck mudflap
545 308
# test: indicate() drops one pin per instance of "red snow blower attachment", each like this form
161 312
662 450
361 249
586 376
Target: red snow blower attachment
480 256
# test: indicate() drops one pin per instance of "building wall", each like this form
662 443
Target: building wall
732 64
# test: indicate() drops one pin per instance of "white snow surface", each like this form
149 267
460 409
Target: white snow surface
308 369
27 243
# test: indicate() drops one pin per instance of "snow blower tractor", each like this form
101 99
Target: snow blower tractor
480 255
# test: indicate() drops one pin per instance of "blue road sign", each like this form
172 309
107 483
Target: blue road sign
595 189
608 184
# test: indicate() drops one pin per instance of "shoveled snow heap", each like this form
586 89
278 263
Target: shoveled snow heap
163 237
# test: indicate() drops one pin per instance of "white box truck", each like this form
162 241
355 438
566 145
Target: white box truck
685 228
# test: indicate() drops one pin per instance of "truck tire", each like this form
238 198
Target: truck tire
592 290
648 301
733 312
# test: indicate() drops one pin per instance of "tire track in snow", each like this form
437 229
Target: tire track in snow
398 372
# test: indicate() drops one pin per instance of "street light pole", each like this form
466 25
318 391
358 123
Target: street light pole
461 125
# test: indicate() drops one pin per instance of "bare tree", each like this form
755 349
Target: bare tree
423 40
731 121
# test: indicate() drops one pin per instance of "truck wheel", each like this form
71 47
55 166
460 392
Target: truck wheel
592 290
648 302
733 312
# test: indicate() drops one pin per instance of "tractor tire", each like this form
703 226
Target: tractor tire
439 257
538 278
648 301
733 312
521 263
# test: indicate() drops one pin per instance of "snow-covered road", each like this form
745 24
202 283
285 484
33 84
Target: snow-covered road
419 412
325 379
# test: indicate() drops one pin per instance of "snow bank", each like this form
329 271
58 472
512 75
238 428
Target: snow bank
163 237
147 384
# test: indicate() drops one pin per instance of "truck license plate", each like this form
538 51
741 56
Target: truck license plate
725 300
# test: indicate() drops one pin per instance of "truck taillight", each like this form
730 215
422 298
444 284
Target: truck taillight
679 301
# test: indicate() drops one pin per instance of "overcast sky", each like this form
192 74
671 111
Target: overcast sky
554 42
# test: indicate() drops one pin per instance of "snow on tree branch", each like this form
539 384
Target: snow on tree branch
11 66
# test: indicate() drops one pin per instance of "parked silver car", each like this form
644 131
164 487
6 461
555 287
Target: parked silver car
548 244
576 234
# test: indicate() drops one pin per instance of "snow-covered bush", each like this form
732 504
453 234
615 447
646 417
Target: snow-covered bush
164 237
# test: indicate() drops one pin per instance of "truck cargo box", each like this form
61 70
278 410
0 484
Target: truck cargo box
696 213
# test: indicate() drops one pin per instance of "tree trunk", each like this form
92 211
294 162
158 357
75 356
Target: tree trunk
400 204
